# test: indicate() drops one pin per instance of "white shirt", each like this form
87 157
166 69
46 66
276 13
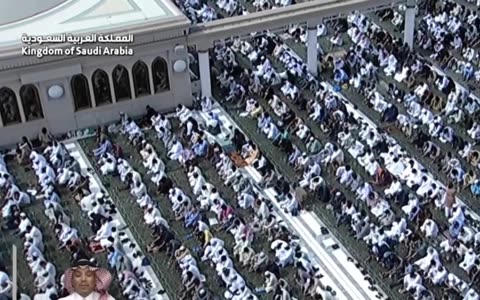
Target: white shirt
4 278
92 296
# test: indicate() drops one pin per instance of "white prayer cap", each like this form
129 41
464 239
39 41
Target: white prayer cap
304 154
182 248
33 155
389 105
470 250
452 277
23 215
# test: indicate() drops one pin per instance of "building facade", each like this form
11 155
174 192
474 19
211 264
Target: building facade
65 93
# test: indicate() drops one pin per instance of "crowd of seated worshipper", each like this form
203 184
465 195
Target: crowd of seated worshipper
392 64
399 164
14 219
230 7
437 120
109 164
447 28
458 109
47 167
415 65
451 167
269 4
55 170
199 11
164 238
248 199
299 33
192 213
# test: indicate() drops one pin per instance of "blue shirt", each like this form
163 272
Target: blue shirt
113 258
191 219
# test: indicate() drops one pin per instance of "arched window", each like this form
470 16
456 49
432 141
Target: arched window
160 75
121 83
81 92
141 81
101 87
31 102
9 107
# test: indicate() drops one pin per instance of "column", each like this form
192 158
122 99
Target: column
130 80
409 29
312 50
112 87
150 78
90 89
20 105
204 65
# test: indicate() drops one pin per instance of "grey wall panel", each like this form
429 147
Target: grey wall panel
51 74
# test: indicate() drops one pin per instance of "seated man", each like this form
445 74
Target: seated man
313 145
382 177
24 148
214 124
104 147
44 137
147 120
156 171
200 148
175 151
183 113
291 204
253 109
162 236
197 181
107 164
